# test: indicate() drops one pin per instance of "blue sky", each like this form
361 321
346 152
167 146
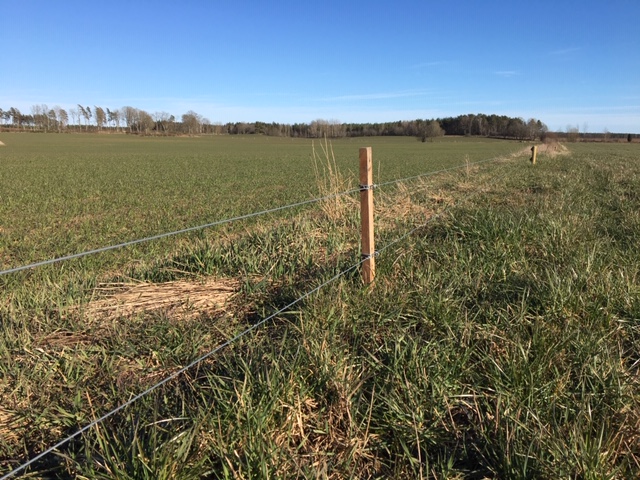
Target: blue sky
568 63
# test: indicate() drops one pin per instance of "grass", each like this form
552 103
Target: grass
62 194
501 339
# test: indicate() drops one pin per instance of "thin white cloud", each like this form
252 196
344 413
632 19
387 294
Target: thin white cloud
431 64
507 73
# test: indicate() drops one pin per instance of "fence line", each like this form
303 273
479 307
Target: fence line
444 170
247 330
227 220
430 219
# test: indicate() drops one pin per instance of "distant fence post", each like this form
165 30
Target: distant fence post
534 153
366 215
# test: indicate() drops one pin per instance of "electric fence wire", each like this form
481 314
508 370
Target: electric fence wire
435 215
422 187
230 341
180 371
227 220
177 232
435 172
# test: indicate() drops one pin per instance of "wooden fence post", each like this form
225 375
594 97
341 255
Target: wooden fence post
366 215
534 153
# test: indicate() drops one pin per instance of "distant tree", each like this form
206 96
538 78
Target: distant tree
607 135
573 133
629 138
320 128
162 122
113 116
88 115
532 129
145 122
35 113
117 118
482 125
16 117
206 125
101 117
62 118
430 130
26 121
466 122
39 116
129 115
516 128
191 121
53 119
109 116
75 115
542 129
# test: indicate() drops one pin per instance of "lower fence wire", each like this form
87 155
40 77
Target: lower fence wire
179 372
241 334
444 170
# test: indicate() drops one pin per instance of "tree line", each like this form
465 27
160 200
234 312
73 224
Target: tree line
133 120
87 119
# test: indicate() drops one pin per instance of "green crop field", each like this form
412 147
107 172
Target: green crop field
501 338
66 193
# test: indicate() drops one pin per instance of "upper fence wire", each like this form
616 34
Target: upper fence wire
229 220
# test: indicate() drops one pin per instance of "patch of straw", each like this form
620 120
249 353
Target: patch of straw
400 205
186 299
548 149
11 427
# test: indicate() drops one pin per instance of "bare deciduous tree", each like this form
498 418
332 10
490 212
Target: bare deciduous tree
101 117
62 117
129 115
145 122
192 122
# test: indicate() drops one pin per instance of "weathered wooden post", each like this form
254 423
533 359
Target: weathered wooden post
366 215
534 153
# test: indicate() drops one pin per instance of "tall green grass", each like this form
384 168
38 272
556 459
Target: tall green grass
500 340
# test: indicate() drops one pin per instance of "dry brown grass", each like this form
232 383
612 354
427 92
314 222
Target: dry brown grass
553 149
401 205
331 181
12 427
183 298
549 149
